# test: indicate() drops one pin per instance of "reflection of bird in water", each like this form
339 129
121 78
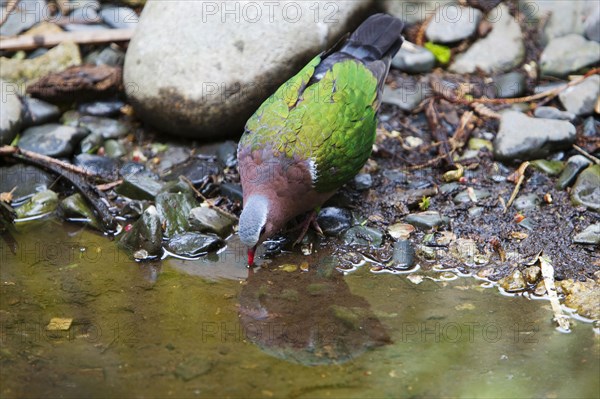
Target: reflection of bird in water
307 317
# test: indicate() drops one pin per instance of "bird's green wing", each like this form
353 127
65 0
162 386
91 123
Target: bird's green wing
331 123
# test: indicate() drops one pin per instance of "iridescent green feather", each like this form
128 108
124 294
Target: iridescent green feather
331 122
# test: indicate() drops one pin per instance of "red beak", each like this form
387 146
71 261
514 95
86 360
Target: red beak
251 252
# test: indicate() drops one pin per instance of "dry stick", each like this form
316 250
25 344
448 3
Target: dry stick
28 42
10 7
206 200
87 190
11 150
548 275
587 154
108 186
521 172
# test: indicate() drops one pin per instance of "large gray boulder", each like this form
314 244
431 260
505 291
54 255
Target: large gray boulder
500 51
200 69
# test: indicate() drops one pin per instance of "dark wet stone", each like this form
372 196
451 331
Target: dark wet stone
232 191
363 236
38 52
102 108
575 164
134 209
526 201
448 188
553 113
413 59
333 221
551 168
177 186
427 220
195 169
173 155
586 190
41 203
53 140
114 149
590 235
37 112
404 255
363 181
463 196
205 219
111 55
509 85
227 154
395 176
591 127
174 211
74 208
581 99
91 143
193 244
134 168
138 186
119 17
108 128
525 138
145 234
28 180
104 166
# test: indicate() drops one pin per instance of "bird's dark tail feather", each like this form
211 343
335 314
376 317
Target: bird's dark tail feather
376 38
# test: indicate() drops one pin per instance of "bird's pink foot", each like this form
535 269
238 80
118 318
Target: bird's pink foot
311 219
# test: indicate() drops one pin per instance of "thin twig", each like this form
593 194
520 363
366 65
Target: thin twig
548 275
10 7
521 173
207 201
108 186
30 42
11 151
587 154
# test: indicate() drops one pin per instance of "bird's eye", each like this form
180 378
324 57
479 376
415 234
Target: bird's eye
262 231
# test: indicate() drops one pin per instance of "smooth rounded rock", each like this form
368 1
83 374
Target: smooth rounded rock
38 112
99 165
413 59
237 60
452 23
75 208
102 108
333 221
145 234
205 219
427 220
404 255
553 113
11 111
525 138
586 190
589 236
53 140
567 54
363 181
41 203
192 244
581 98
575 164
501 50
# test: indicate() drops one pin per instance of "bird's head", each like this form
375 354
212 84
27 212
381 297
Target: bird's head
256 223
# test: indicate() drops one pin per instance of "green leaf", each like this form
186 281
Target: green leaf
15 140
425 203
441 53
